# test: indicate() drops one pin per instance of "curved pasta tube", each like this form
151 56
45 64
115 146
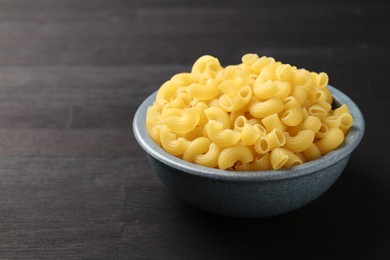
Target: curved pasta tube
285 89
289 102
218 114
265 90
302 79
204 92
165 93
310 123
238 101
171 143
229 87
268 73
261 129
212 68
221 137
233 154
184 123
332 121
284 72
153 126
202 116
153 123
210 158
272 140
341 110
319 80
196 147
323 131
261 63
329 97
200 64
281 157
312 152
300 142
318 111
228 73
239 123
330 141
300 93
320 94
182 79
273 121
292 116
325 105
346 121
193 134
250 134
180 100
263 109
260 163
249 59
171 111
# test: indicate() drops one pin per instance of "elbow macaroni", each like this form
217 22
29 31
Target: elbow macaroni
258 115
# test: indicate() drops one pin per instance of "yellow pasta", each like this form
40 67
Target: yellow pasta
281 157
346 121
284 89
218 114
250 134
341 110
263 109
270 141
312 153
222 137
171 143
260 163
258 115
196 147
331 141
310 123
210 158
184 123
293 116
300 142
233 154
273 121
238 101
204 92
265 90
239 123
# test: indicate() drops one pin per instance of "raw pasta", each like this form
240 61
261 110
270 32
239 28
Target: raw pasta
257 115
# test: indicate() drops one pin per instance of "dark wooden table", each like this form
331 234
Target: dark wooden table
74 184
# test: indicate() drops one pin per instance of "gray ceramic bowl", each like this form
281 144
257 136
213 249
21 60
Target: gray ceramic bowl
250 194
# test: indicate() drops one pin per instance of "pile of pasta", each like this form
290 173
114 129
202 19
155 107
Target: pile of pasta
257 115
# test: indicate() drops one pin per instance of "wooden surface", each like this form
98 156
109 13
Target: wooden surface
74 184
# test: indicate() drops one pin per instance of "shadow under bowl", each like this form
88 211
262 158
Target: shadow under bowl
250 194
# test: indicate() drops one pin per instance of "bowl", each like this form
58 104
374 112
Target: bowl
250 194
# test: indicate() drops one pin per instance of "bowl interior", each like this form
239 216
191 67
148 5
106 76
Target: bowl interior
351 141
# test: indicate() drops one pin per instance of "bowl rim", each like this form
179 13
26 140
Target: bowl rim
351 141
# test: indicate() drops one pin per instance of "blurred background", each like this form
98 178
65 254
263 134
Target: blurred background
75 185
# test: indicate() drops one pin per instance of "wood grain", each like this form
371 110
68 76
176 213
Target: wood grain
74 184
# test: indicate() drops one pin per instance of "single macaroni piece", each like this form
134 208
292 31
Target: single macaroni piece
222 137
258 115
261 109
233 154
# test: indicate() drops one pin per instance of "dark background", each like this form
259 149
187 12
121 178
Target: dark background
74 184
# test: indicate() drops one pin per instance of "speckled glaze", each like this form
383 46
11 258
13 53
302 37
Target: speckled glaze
250 194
